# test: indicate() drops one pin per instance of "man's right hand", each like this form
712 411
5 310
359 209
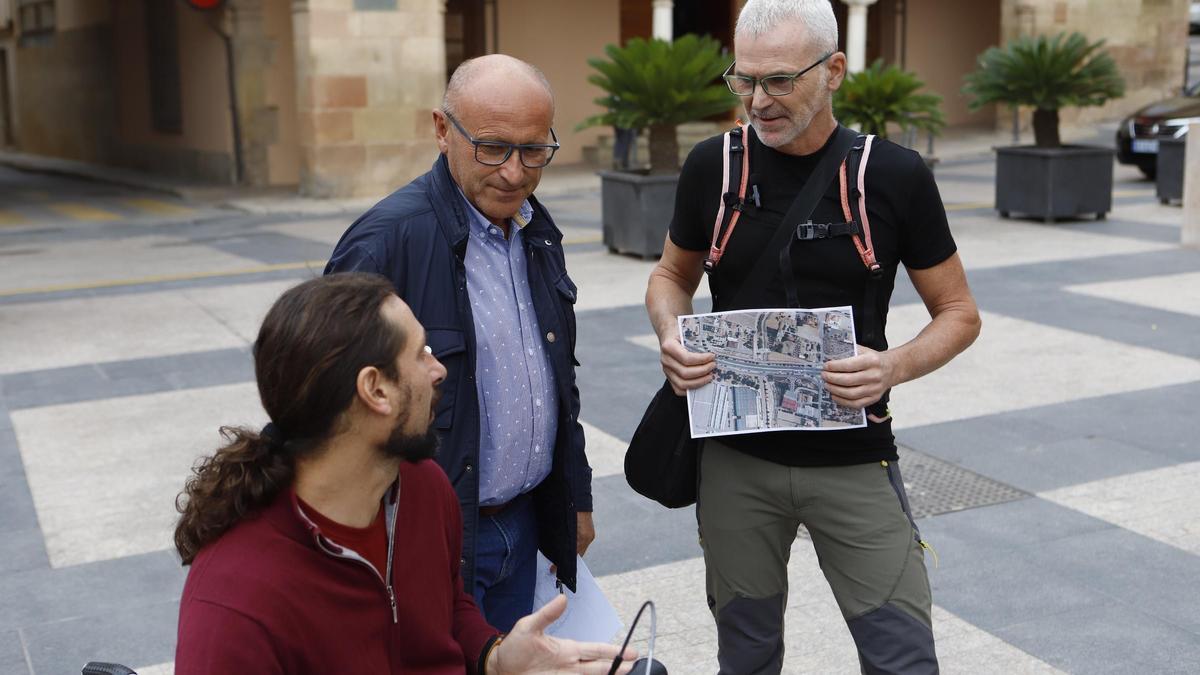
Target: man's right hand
685 370
528 650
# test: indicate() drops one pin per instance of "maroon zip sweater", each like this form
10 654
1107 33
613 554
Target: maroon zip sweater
274 596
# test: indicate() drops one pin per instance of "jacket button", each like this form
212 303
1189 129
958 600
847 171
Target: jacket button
550 337
462 562
469 468
548 243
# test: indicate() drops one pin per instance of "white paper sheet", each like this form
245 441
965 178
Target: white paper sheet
589 617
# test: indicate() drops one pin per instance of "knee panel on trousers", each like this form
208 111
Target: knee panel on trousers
891 641
750 635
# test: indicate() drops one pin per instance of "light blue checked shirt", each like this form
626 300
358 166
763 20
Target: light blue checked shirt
518 403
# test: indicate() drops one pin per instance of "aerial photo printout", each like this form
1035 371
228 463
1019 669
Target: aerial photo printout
768 375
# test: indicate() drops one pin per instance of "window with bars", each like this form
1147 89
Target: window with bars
35 17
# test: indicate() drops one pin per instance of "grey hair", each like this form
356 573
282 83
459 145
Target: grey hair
468 71
760 16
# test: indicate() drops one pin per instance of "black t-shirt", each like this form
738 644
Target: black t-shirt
908 225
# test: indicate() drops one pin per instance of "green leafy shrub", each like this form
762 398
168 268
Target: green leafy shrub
871 99
1047 73
657 85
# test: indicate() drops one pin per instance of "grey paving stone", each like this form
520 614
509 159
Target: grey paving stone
135 289
1117 639
133 636
24 549
74 384
970 443
93 590
992 535
1053 446
187 371
270 248
1134 570
96 382
633 532
995 593
1027 571
1151 419
617 378
1035 467
1129 229
12 655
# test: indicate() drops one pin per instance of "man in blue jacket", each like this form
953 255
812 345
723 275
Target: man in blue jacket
480 262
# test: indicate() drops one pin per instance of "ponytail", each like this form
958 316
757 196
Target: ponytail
242 477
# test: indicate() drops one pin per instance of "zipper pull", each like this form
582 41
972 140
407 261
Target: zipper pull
392 600
928 547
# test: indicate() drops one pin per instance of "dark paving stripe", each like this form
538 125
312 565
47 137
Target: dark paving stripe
270 248
1054 446
1079 593
24 547
153 287
100 381
135 637
12 654
1129 229
33 597
1034 292
633 532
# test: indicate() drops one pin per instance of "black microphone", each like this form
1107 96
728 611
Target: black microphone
648 665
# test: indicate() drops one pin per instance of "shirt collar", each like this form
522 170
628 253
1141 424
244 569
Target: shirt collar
481 223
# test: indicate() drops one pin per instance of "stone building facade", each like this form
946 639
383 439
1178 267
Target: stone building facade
334 96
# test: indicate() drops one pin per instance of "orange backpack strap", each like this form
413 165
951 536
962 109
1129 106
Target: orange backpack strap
854 199
735 173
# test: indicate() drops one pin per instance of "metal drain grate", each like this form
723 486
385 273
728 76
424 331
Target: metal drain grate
935 486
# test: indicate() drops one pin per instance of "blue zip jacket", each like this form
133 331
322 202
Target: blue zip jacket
417 238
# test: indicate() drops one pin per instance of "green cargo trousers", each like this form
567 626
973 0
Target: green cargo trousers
868 546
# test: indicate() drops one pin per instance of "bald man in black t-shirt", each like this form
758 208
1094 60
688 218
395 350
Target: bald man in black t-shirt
843 485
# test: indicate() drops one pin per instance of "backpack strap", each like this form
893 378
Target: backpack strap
736 173
854 208
854 199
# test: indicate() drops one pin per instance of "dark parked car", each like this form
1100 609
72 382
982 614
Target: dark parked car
1139 134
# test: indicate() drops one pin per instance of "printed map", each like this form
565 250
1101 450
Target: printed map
768 375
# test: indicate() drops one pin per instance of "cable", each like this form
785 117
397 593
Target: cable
653 633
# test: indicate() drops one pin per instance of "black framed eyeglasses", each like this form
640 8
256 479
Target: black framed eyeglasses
495 153
773 85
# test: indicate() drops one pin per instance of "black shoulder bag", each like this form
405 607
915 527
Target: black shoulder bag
661 460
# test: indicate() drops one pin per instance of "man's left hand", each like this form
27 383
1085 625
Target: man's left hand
859 381
585 532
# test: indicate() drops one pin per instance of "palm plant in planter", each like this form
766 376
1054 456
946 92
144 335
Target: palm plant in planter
657 85
879 96
1049 180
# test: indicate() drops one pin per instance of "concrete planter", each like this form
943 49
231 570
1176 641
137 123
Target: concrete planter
635 211
1169 172
1053 183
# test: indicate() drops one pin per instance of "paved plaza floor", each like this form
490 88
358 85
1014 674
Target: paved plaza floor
1049 466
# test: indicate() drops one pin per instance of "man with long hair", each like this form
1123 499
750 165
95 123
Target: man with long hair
329 542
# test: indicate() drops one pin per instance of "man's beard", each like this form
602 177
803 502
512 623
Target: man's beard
411 447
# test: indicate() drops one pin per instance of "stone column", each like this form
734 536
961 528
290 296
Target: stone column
663 27
1190 235
368 75
856 34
